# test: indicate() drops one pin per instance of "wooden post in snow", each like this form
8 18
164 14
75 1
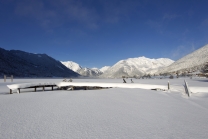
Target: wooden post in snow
10 91
168 85
18 90
188 92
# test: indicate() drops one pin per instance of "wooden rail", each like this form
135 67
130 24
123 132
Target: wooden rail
35 88
62 88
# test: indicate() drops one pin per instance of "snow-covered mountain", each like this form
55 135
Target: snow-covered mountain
72 65
82 71
90 72
129 67
189 63
103 69
24 64
97 71
136 67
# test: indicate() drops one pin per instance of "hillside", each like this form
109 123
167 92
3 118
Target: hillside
189 63
72 65
89 72
23 64
104 69
136 67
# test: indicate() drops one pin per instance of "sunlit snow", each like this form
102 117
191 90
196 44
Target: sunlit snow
106 113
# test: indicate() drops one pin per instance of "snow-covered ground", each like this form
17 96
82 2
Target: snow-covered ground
107 113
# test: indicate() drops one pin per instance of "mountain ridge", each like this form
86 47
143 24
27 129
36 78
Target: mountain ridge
90 72
189 63
129 67
135 67
24 64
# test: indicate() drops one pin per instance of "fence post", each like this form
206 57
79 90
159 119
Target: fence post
188 92
10 91
4 78
168 85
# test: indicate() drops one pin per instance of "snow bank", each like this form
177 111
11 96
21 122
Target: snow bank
91 84
198 89
117 85
151 84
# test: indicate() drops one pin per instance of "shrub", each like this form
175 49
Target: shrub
171 77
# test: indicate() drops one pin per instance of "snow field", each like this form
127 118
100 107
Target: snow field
109 113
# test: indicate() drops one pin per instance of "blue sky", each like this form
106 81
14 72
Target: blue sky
96 33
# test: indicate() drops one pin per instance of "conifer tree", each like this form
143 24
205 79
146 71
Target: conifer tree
205 68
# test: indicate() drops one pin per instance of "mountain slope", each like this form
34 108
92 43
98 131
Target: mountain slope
90 72
72 65
23 64
191 62
105 68
136 67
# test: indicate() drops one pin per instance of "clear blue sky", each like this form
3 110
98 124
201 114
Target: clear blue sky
96 33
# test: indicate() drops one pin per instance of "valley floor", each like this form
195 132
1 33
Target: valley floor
107 113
